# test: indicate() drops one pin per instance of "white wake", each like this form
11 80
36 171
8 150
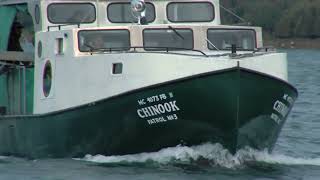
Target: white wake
215 154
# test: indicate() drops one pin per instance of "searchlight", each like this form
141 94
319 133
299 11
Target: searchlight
138 7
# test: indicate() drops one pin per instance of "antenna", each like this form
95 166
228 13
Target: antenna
235 15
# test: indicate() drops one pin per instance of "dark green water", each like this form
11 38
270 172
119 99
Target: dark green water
296 155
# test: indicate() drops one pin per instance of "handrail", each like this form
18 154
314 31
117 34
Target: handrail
167 49
61 25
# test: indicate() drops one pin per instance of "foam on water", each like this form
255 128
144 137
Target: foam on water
3 157
214 154
286 160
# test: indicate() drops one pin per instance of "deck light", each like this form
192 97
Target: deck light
138 7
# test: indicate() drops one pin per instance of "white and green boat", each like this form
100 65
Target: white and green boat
118 77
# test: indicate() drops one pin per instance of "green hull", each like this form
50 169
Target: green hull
234 107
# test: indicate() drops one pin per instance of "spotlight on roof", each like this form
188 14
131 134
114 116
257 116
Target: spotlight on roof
138 5
138 8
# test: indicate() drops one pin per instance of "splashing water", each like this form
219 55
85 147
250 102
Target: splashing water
214 154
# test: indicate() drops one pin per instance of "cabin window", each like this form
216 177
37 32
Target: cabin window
244 39
37 13
39 49
47 79
60 13
167 39
109 40
190 12
122 13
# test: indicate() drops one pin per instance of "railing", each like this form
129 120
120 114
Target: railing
16 58
62 25
148 49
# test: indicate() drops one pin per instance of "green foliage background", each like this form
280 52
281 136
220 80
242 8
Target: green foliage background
280 18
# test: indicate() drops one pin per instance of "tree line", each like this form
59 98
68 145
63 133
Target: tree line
281 18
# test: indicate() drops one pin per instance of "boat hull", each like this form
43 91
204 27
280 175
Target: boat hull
235 107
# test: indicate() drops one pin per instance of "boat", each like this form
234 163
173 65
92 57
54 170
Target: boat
119 77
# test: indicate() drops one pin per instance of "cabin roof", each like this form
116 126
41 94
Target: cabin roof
8 2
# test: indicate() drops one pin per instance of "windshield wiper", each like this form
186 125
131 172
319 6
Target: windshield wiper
88 46
212 44
93 49
176 32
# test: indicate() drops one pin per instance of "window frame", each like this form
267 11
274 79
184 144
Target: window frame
129 47
255 38
107 12
212 5
95 13
168 29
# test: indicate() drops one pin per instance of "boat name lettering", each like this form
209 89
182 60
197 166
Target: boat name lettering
155 98
275 118
158 109
288 98
162 119
141 102
281 108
